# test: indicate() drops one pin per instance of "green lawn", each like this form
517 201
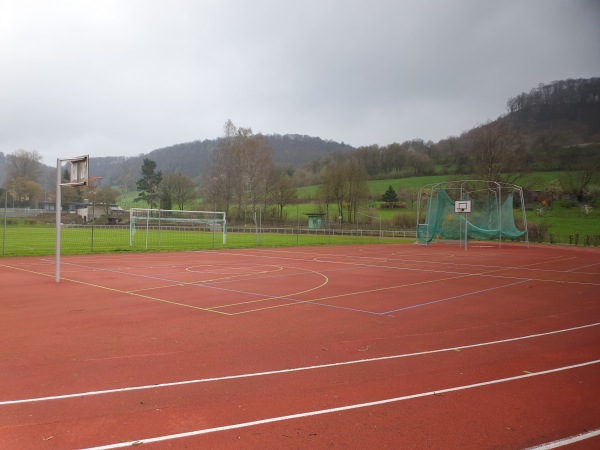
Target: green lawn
378 187
39 240
568 221
534 180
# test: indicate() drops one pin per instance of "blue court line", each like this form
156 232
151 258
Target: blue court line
294 300
455 297
264 297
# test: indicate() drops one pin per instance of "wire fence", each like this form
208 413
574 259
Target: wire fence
29 232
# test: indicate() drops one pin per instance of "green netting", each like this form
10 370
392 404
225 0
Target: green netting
491 216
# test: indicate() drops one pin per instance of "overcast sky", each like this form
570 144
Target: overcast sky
124 77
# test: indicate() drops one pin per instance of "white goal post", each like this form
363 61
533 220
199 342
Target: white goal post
173 221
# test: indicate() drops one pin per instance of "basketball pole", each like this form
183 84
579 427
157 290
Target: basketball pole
78 178
58 208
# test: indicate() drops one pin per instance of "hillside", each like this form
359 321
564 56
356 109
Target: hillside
191 158
570 105
551 127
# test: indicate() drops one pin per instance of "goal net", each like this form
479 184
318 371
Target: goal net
490 216
175 229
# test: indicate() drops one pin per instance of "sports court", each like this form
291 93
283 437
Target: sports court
358 346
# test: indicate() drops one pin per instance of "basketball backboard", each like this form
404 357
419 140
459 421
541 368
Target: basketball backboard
79 171
462 206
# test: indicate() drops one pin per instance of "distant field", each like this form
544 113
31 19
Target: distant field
378 187
566 221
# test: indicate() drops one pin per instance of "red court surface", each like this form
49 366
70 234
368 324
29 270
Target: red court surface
378 346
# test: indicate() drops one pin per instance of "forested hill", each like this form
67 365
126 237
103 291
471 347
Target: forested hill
543 129
552 127
571 105
192 158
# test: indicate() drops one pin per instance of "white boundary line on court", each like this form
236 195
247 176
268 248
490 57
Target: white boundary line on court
567 440
295 369
338 409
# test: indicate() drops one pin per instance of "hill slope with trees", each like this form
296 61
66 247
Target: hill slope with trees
192 158
551 127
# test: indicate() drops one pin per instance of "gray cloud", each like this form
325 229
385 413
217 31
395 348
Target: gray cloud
123 78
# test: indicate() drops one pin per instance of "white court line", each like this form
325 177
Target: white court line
295 369
567 440
339 409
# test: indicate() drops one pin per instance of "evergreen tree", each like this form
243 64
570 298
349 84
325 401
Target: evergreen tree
148 185
390 196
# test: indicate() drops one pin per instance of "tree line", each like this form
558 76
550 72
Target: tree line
554 127
240 179
241 176
27 182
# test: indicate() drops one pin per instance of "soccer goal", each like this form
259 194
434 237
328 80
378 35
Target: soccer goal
175 229
456 211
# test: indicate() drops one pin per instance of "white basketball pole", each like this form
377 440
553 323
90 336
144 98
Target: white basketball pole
79 177
58 207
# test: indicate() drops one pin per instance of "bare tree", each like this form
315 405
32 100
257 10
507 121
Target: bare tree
270 185
576 182
220 180
180 189
357 189
334 188
421 163
126 173
324 194
497 152
284 193
24 191
107 196
91 190
239 160
257 165
24 164
393 158
240 164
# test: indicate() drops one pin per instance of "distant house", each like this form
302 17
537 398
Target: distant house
84 209
68 207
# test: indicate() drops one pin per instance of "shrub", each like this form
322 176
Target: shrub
405 221
393 205
538 232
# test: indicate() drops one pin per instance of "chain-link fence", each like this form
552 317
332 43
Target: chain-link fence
27 232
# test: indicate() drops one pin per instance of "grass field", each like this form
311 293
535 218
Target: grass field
41 240
562 220
378 187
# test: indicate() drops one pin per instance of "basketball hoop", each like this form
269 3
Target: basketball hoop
462 206
79 171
